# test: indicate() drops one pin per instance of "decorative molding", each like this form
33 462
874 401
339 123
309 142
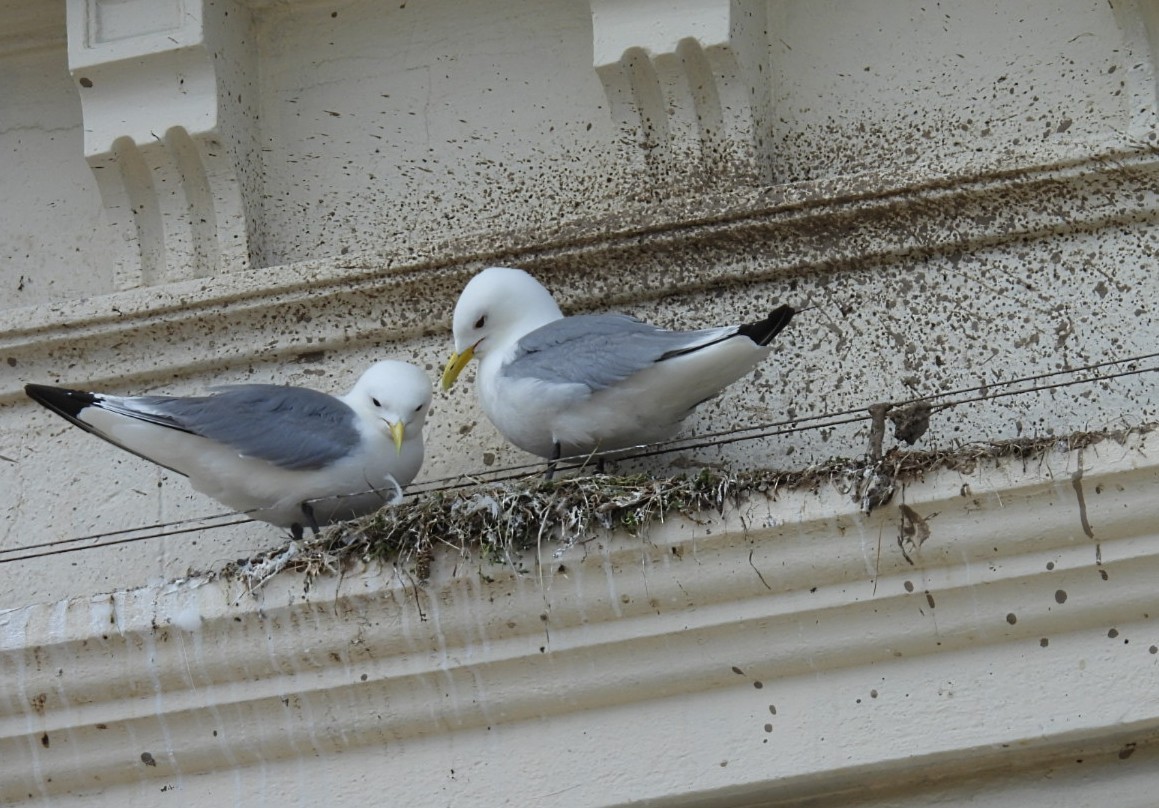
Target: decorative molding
1139 22
1025 602
693 85
164 135
684 80
181 326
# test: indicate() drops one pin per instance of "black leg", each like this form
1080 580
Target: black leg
296 532
311 522
600 466
555 450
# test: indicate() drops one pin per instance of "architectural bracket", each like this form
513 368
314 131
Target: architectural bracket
687 82
166 122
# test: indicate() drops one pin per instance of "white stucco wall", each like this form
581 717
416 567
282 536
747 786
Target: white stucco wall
209 192
783 653
46 180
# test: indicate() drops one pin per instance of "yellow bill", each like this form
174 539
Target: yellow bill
455 366
396 434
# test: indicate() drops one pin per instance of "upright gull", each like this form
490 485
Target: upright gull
290 456
558 386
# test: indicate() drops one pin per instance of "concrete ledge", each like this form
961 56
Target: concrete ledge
791 631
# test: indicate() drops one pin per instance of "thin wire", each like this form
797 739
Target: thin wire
580 461
721 438
1034 378
123 531
1059 385
776 428
117 541
429 486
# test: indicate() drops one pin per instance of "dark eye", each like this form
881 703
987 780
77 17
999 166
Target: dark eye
374 401
419 408
482 321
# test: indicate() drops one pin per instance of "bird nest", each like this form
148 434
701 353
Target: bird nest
500 520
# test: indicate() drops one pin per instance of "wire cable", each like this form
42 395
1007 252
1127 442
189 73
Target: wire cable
982 392
122 532
113 543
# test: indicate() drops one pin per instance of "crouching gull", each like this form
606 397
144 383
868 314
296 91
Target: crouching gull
290 456
559 386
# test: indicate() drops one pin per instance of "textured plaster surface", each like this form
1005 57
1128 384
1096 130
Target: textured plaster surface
389 129
914 296
391 152
963 194
425 121
54 237
779 652
858 346
911 84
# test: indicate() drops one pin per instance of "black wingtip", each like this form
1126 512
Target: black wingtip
64 402
763 331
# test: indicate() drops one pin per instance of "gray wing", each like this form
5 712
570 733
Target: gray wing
597 350
292 427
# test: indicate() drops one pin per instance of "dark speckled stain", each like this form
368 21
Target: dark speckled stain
913 531
707 258
147 759
1127 750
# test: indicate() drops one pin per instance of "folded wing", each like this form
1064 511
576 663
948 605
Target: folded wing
601 350
291 427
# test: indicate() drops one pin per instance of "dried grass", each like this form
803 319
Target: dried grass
498 520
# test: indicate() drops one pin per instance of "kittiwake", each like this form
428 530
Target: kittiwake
560 386
290 456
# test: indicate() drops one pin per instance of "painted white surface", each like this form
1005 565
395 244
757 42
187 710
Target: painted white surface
785 650
966 194
378 156
54 237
